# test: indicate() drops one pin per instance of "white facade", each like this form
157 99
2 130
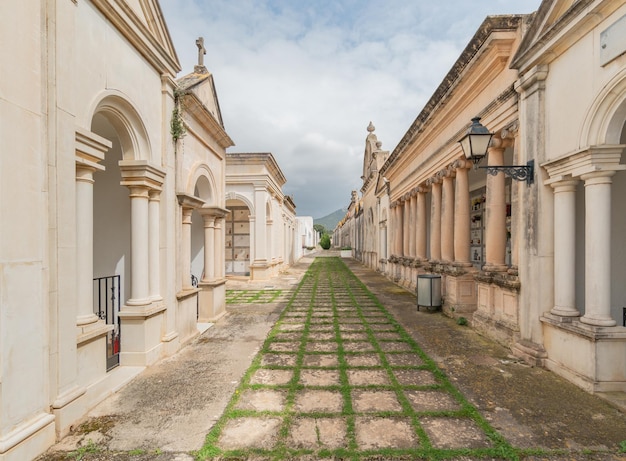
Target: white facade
262 235
307 237
92 186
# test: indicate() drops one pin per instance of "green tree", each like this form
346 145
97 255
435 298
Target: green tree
321 230
325 241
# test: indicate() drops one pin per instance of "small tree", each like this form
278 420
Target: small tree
325 241
321 230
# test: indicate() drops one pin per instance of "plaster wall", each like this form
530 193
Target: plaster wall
572 86
24 269
115 68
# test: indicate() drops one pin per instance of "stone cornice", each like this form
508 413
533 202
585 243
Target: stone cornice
476 45
588 160
257 158
542 46
195 108
124 18
90 149
141 173
190 201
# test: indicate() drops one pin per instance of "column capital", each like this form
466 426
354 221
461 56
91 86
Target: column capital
433 180
140 172
500 143
189 201
213 211
565 185
598 177
462 164
84 173
139 191
90 148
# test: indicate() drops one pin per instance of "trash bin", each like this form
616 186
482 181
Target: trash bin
428 291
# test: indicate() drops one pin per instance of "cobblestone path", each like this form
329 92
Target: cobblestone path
338 377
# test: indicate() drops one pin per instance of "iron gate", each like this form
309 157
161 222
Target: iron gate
106 293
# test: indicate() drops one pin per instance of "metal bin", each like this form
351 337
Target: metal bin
428 291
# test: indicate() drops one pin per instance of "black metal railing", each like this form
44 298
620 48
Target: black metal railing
107 303
194 283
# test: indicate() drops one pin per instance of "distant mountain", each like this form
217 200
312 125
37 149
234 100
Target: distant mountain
330 221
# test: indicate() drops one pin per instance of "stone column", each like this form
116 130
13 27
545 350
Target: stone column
598 249
406 219
218 245
420 238
84 245
270 240
495 225
447 216
260 246
210 248
565 248
186 249
400 228
412 223
462 214
154 237
139 246
435 220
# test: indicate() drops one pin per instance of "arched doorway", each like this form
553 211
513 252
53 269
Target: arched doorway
237 243
111 239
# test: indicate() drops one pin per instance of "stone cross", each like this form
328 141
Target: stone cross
201 50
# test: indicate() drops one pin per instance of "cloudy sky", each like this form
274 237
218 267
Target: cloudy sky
302 79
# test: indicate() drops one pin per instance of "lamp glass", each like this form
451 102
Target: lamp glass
476 141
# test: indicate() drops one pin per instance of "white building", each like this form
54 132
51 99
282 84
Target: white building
530 249
261 225
97 204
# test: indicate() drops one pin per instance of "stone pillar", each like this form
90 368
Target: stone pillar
185 244
218 245
84 245
565 248
598 249
495 225
270 240
462 214
447 216
406 219
412 223
400 227
210 248
420 238
154 236
139 247
435 220
260 246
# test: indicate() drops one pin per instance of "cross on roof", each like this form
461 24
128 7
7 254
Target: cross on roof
201 50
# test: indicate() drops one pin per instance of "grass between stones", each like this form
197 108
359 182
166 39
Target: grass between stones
252 296
338 377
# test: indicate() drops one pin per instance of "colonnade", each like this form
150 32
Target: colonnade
444 238
597 166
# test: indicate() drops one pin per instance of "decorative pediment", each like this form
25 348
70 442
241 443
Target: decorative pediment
143 25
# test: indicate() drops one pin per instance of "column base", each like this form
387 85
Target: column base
495 268
211 300
564 312
598 321
141 334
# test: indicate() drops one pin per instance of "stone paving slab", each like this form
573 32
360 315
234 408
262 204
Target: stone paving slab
376 394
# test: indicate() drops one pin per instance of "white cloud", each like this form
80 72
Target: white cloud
303 79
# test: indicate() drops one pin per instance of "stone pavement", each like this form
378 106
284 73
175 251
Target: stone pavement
350 370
